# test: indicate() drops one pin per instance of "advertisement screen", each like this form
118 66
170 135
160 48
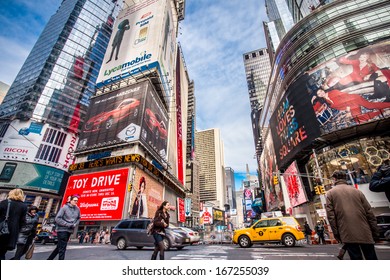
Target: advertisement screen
206 216
181 217
31 176
143 39
154 131
114 116
272 191
147 195
295 190
101 194
352 89
292 124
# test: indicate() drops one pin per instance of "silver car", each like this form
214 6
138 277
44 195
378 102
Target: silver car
132 232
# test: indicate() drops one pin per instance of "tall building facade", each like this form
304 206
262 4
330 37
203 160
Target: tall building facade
280 21
257 70
230 188
42 111
210 155
320 116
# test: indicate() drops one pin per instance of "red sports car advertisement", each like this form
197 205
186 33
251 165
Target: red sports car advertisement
114 117
295 190
154 131
147 195
101 194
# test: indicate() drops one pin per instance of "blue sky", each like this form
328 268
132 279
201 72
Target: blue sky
214 36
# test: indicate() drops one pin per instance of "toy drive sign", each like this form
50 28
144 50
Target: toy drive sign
101 194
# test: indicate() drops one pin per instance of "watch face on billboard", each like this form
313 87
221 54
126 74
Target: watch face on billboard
7 172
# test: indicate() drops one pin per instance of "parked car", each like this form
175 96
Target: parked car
383 221
285 230
194 235
46 237
108 119
132 232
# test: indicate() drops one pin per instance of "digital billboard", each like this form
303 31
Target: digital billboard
272 191
143 39
154 132
129 114
292 125
35 142
295 189
30 176
352 89
101 194
206 216
147 195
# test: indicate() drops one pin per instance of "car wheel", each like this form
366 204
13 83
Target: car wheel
135 112
179 248
139 247
244 241
109 123
157 133
167 246
288 240
121 244
43 242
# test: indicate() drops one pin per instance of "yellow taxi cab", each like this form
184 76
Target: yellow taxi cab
279 229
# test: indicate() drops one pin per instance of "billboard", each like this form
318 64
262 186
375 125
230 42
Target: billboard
292 125
36 142
101 194
272 192
30 176
295 189
129 114
154 131
179 126
143 39
350 90
206 215
147 195
181 217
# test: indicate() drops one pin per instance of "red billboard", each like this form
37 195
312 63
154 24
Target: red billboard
181 217
101 194
295 190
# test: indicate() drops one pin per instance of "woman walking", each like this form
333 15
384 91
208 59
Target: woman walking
16 219
27 232
160 222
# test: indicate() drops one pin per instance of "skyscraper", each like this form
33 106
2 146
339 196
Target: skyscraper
257 70
209 153
41 113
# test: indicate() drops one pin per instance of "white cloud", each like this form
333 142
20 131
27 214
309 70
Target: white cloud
214 37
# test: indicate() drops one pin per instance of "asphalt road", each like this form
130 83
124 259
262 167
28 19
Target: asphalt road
77 251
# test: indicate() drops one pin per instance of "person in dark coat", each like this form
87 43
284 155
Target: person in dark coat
351 218
307 231
116 43
160 222
27 232
16 220
380 181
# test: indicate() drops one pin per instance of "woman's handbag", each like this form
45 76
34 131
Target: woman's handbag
4 230
30 251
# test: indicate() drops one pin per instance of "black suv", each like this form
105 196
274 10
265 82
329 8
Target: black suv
132 232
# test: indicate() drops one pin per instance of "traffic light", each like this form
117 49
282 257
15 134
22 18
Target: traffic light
319 189
276 180
129 187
